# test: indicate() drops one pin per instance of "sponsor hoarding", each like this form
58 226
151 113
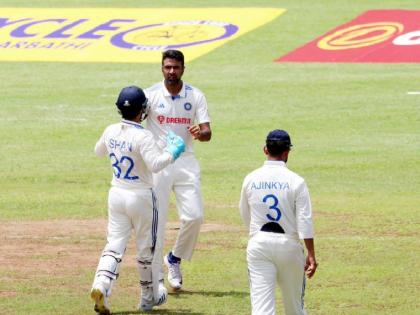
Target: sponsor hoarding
121 35
375 36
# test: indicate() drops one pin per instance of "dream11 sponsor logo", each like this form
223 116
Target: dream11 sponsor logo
66 33
173 120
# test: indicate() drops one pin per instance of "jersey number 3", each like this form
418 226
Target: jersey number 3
271 199
118 164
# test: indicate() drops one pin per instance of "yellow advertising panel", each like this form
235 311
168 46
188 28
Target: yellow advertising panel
121 35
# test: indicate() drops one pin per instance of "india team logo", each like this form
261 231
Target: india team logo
187 106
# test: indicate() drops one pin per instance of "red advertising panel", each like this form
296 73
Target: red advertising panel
375 36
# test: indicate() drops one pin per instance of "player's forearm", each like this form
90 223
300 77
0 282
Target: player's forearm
158 162
204 135
304 213
201 132
310 264
310 247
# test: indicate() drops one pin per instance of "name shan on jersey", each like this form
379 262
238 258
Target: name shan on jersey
120 145
270 185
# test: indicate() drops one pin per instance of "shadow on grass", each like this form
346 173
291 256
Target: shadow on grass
179 294
158 311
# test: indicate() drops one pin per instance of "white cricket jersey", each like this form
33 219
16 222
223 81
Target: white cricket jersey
133 154
273 193
175 113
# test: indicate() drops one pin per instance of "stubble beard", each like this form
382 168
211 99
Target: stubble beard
173 82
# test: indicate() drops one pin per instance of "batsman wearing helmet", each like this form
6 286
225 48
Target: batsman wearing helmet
276 208
131 201
181 108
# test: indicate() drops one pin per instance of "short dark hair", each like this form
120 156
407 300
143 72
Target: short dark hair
276 148
129 114
277 142
173 54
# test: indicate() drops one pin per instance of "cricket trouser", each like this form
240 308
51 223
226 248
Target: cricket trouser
183 177
274 257
128 209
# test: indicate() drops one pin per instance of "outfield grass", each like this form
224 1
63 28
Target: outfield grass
356 136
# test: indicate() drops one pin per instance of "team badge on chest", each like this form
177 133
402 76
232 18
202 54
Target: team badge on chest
187 106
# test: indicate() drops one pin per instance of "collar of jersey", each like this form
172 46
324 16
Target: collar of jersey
278 163
132 123
182 93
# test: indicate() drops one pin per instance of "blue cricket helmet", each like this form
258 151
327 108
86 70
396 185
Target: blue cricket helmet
131 101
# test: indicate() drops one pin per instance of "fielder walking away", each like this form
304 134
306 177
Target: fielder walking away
276 208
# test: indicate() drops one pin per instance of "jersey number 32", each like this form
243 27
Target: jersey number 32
122 168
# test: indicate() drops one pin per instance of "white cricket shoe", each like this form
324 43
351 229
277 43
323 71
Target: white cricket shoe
101 301
148 301
163 295
174 274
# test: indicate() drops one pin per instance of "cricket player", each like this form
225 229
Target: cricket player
181 108
276 208
131 202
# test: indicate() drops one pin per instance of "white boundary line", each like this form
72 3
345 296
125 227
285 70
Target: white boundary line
413 93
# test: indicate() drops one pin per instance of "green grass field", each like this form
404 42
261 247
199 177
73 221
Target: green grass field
356 135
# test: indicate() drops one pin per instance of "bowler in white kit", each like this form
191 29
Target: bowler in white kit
134 155
276 207
181 108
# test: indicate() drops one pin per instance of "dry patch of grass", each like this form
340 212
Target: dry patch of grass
34 249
